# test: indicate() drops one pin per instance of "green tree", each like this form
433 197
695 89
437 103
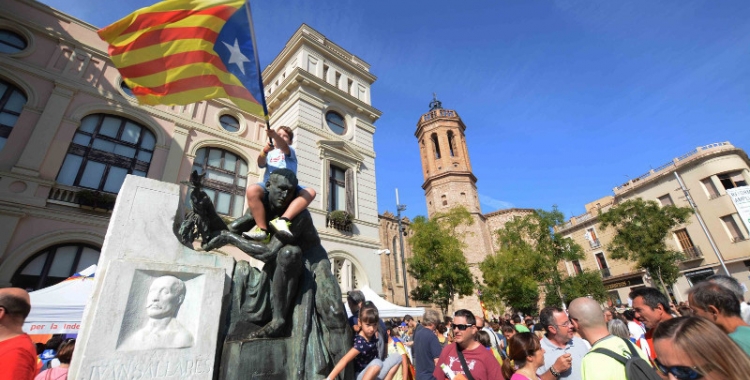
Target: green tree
438 262
529 255
640 229
584 284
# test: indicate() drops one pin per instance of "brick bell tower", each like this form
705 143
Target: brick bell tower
449 182
448 179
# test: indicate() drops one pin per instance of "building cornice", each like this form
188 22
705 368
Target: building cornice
461 174
317 41
299 78
509 210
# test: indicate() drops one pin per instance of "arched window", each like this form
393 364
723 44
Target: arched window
104 150
11 42
347 274
225 180
12 101
53 265
436 144
395 259
451 143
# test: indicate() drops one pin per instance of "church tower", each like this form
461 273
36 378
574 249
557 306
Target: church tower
448 179
449 182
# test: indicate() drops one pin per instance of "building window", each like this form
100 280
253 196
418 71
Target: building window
602 262
436 144
336 122
395 260
711 190
590 235
53 265
732 180
12 101
104 150
666 200
126 89
229 123
350 84
451 143
325 73
337 189
444 200
577 267
338 80
225 180
732 228
11 42
686 245
347 274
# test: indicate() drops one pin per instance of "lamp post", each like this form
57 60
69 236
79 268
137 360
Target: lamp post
399 208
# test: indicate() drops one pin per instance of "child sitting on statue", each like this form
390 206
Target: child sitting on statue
277 156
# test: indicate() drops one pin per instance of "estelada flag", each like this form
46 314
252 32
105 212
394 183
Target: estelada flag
185 51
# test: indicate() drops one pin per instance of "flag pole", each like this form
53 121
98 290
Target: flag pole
257 69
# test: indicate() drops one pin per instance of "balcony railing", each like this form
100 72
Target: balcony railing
76 196
692 253
595 243
605 272
341 224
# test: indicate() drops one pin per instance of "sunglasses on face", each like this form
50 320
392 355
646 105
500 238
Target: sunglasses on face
679 371
462 327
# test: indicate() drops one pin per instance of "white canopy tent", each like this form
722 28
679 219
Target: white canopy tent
58 309
385 308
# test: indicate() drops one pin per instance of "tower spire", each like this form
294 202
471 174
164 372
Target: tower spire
435 104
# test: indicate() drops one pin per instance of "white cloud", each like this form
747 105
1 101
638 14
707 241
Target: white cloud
495 204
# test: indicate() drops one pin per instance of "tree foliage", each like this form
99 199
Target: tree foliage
529 254
584 284
438 263
640 229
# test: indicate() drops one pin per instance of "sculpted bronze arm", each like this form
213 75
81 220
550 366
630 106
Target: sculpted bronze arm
256 249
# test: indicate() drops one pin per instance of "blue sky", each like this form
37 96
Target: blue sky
562 99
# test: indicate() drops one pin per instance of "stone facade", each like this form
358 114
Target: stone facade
65 76
706 173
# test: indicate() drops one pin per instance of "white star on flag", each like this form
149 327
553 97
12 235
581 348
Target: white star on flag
236 56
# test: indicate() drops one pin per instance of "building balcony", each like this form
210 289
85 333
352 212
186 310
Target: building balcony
595 243
738 239
339 220
605 272
83 198
692 253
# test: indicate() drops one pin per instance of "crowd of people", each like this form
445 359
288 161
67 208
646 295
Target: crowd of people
707 337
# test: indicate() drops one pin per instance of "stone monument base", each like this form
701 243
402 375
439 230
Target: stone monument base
256 359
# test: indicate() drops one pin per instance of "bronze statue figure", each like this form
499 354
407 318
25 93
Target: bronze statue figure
295 294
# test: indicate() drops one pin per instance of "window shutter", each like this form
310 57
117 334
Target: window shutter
349 184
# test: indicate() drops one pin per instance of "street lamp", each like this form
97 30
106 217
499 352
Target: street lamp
399 208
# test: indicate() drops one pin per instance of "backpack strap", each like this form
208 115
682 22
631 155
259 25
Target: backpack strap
611 354
463 363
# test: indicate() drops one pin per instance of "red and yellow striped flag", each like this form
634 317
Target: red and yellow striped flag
185 51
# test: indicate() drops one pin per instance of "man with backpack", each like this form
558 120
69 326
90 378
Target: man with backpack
611 357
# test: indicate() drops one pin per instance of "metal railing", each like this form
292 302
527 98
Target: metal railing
605 272
692 253
595 243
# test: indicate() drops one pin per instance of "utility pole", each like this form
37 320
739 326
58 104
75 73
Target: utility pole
700 221
399 208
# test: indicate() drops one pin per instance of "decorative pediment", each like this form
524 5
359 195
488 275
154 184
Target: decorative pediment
340 151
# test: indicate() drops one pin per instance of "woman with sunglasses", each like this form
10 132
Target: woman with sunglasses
64 354
525 356
689 348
